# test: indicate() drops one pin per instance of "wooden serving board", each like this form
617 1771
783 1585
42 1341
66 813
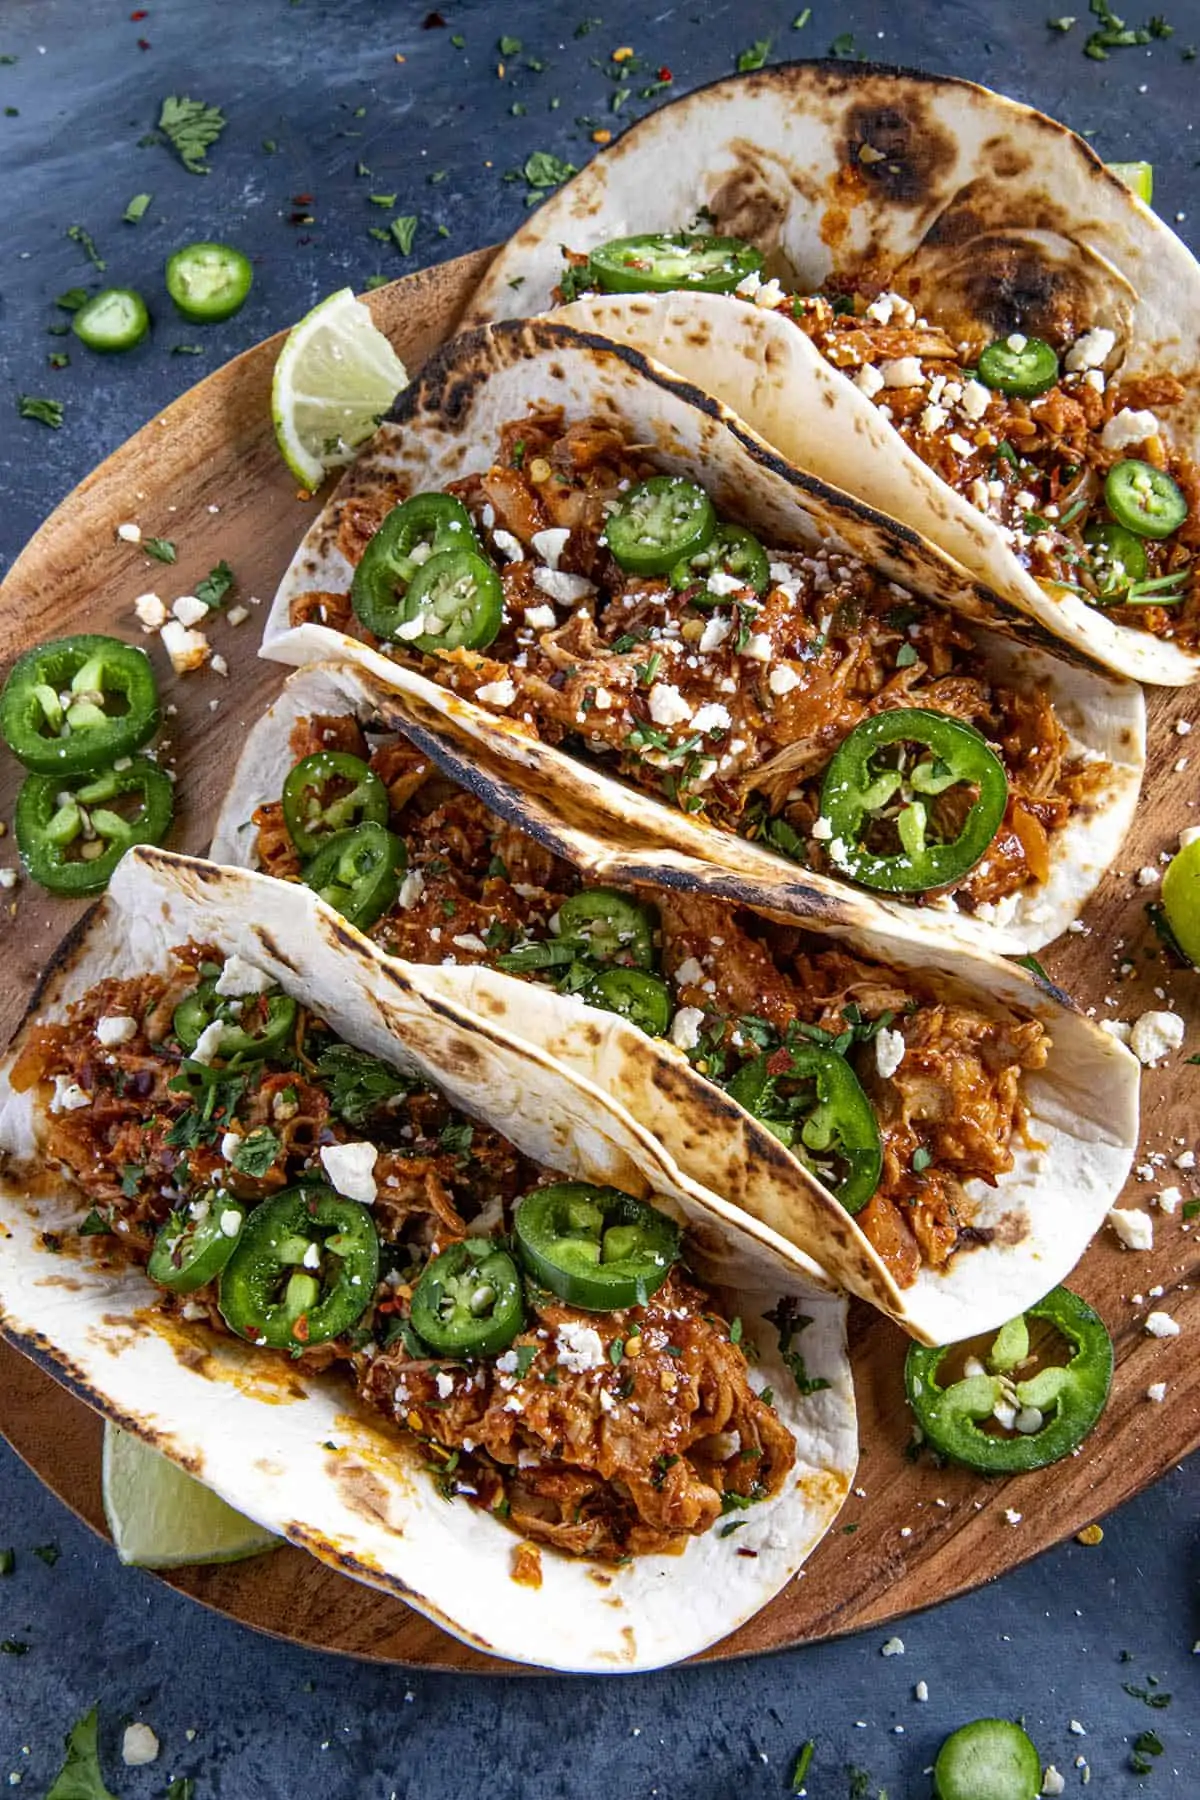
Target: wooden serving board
206 474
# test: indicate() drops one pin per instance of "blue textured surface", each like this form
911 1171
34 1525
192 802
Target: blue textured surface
271 1721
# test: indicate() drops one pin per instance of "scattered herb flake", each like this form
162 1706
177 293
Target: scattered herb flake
404 230
216 584
754 56
73 299
187 349
95 1225
545 170
735 1331
376 281
801 19
358 1083
256 1153
921 1158
1191 1208
58 359
137 208
13 1647
47 1553
87 244
191 128
182 1788
8 1561
906 656
382 199
525 1354
1063 24
803 1763
46 412
161 549
80 1777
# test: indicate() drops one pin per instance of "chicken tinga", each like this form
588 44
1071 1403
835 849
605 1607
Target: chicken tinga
795 698
543 1340
892 1096
1073 464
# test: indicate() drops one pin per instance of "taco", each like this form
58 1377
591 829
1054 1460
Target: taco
586 562
407 1293
939 1131
937 298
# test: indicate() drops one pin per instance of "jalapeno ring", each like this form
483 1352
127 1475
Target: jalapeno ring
303 1270
645 1000
812 1101
1143 499
359 872
458 599
659 262
1118 559
1025 373
595 1247
204 1007
329 792
469 1301
57 814
610 926
54 711
188 1252
423 526
731 551
658 522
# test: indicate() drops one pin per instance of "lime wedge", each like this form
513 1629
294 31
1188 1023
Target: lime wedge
161 1518
335 378
1138 178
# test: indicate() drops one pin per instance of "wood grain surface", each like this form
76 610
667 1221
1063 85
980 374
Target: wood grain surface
205 473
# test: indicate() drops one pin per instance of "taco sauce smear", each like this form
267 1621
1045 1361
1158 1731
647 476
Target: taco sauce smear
726 685
895 1090
292 1190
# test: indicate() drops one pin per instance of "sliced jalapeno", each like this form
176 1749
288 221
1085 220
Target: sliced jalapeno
1070 1397
731 551
359 873
1024 373
208 282
189 1252
880 800
303 1270
274 1017
645 1000
659 522
1118 558
328 792
1143 499
609 926
812 1101
423 526
458 599
69 834
114 319
989 1759
469 1301
658 262
595 1247
78 703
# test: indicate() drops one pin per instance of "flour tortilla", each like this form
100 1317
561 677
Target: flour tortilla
447 425
1084 1104
258 1430
979 209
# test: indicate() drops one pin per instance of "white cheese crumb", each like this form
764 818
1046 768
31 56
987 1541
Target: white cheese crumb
667 705
714 634
822 829
149 611
68 1095
711 717
129 533
188 610
208 1044
239 978
230 1222
551 543
541 618
1154 1036
1052 1781
783 679
889 1051
229 1144
758 647
1188 835
1128 427
138 1746
411 889
497 693
1016 341
933 418
312 1256
445 1384
689 973
1157 1391
975 397
580 1348
721 584
1091 350
1147 876
902 372
115 1028
921 1691
1134 1228
1012 1515
219 667
508 545
685 1027
893 1647
237 615
565 589
1168 1201
868 379
350 1168
187 650
1162 1325
1120 1029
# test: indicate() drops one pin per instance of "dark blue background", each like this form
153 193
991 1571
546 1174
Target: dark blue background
270 1720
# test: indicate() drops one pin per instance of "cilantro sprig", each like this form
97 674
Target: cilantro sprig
191 128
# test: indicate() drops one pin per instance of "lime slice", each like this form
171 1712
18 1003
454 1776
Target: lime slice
1138 178
161 1518
335 378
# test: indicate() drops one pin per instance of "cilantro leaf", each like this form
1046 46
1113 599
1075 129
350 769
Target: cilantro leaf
95 1225
182 1788
404 230
190 127
73 299
136 208
457 1136
80 1777
358 1083
545 170
803 1762
754 56
256 1153
161 549
46 412
789 1321
87 244
510 46
216 584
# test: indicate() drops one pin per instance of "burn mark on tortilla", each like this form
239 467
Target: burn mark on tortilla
754 200
902 152
272 949
1007 161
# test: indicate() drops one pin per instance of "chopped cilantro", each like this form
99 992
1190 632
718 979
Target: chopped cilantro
735 1331
1148 1743
545 170
844 47
458 40
731 1502
13 1647
524 1354
510 46
921 1158
789 1321
457 1136
73 299
8 1561
376 281
731 1525
58 359
87 244
161 549
803 1762
1191 1208
182 1788
216 584
137 208
47 1553
404 230
187 349
584 27
95 1225
616 1351
46 412
801 19
382 199
256 1153
754 56
191 128
906 656
1062 24
358 1083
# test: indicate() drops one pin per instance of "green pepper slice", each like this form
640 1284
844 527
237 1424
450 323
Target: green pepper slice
610 927
204 1007
303 1271
658 522
732 551
68 833
328 792
78 703
812 1101
1143 499
659 262
645 1000
1118 559
459 599
359 872
595 1247
424 526
208 282
879 800
1073 1395
989 1759
1181 900
114 319
469 1300
188 1253
1024 373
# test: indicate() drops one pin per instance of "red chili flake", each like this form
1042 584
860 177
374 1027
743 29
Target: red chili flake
664 74
302 199
300 1329
143 43
141 13
431 21
750 1553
